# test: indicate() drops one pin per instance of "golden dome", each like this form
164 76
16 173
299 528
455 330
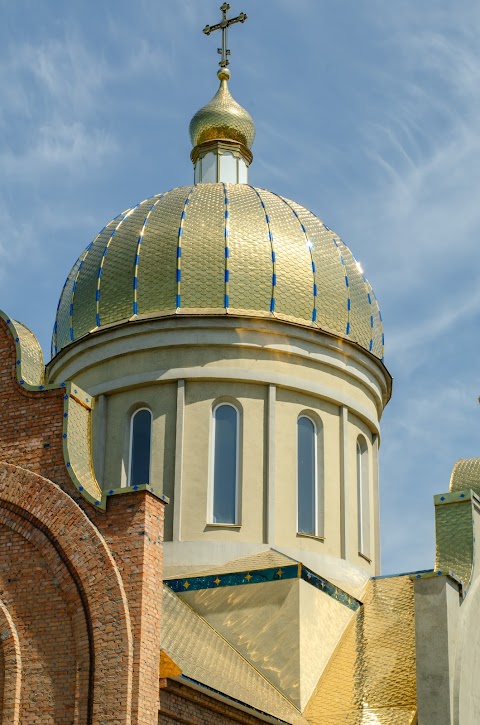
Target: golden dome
216 249
222 119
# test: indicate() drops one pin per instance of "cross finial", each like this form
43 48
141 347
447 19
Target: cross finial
223 26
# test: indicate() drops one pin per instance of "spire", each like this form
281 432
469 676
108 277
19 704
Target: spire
222 132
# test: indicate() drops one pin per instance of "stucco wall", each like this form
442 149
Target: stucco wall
273 373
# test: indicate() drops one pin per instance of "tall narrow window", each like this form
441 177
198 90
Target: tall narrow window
307 475
225 464
140 447
363 498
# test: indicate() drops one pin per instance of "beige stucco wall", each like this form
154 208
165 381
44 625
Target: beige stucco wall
342 387
291 404
201 398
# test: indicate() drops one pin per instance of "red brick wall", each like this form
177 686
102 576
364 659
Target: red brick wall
133 529
82 586
44 626
182 704
2 673
31 423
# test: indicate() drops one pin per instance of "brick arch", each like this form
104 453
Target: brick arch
12 661
48 513
74 627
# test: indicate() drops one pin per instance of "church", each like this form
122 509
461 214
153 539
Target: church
189 490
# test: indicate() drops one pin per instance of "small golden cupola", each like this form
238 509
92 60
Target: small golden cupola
222 132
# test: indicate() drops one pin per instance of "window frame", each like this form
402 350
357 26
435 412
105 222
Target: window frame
362 464
319 477
130 446
211 477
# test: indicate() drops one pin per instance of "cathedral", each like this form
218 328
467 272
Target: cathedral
189 492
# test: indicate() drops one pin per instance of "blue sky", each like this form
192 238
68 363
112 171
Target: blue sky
367 112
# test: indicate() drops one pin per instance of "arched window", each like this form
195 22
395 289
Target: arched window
309 479
363 498
225 464
140 447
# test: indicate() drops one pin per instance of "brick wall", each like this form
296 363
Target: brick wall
182 704
81 588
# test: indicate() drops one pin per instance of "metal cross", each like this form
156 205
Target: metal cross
223 26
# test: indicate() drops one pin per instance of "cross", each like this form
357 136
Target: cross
223 26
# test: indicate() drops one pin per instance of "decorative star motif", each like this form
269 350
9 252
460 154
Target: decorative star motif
280 573
217 581
248 577
186 585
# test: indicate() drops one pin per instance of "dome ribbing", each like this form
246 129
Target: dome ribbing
219 249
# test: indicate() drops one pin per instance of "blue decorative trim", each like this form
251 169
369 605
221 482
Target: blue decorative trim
217 581
138 253
226 295
261 576
327 588
100 269
309 245
183 216
272 249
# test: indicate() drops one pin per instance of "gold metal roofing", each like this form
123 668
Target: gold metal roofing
371 677
219 249
205 656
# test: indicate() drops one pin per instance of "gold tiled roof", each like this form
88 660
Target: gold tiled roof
219 249
206 657
371 677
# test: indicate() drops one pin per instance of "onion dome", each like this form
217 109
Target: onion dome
222 118
218 249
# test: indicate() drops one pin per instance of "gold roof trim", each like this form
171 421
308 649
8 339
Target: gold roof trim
33 369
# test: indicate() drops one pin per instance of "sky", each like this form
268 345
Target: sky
367 112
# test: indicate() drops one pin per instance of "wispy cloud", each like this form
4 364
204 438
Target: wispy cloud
58 146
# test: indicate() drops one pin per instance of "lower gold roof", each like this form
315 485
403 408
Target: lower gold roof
291 647
219 249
